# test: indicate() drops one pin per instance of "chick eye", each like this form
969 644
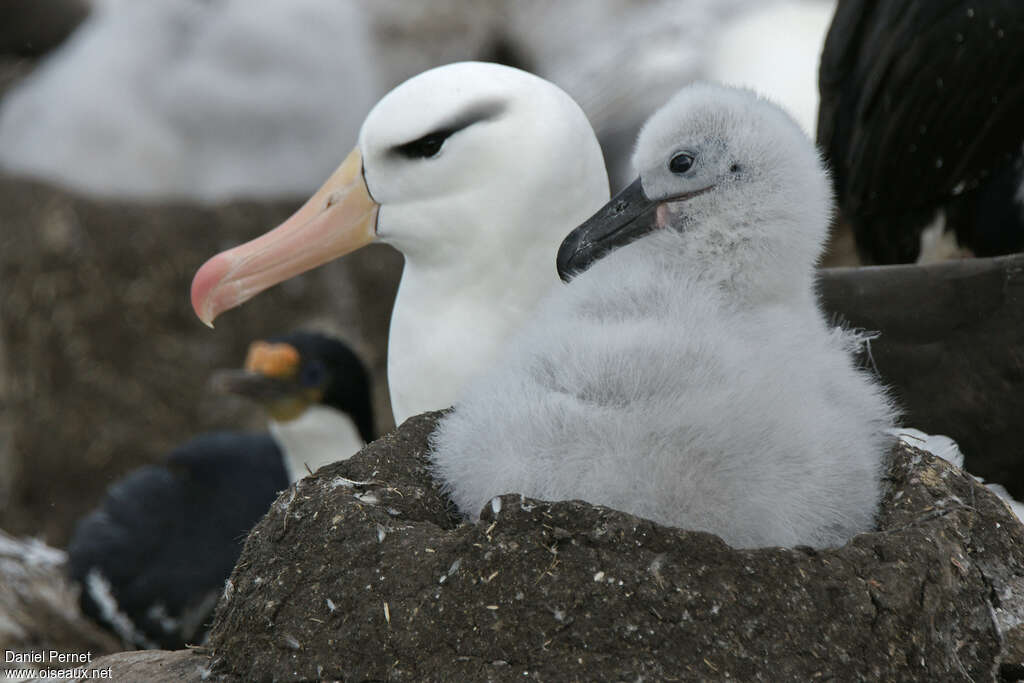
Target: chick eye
681 163
312 374
425 147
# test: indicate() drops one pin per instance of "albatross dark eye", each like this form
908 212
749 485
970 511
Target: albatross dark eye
681 163
425 147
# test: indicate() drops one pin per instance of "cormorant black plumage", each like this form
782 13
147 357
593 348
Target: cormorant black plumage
153 559
167 536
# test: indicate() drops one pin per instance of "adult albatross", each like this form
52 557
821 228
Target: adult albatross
474 172
689 376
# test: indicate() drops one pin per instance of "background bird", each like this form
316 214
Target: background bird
922 122
153 558
688 376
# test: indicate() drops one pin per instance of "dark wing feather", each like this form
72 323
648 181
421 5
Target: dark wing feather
170 534
921 101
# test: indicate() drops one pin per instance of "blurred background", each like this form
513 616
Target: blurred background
139 138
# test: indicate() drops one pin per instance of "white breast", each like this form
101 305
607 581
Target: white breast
448 326
318 437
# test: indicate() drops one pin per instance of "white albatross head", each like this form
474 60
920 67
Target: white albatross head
730 188
475 172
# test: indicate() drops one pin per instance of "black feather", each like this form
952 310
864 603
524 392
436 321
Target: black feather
922 104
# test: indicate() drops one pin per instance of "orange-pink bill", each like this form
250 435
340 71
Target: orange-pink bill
338 219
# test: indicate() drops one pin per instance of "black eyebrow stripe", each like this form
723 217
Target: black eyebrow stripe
483 111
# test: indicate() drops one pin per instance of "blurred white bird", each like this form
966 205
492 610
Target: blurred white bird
189 98
212 99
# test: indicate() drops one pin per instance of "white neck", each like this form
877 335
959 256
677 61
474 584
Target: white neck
320 436
448 325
